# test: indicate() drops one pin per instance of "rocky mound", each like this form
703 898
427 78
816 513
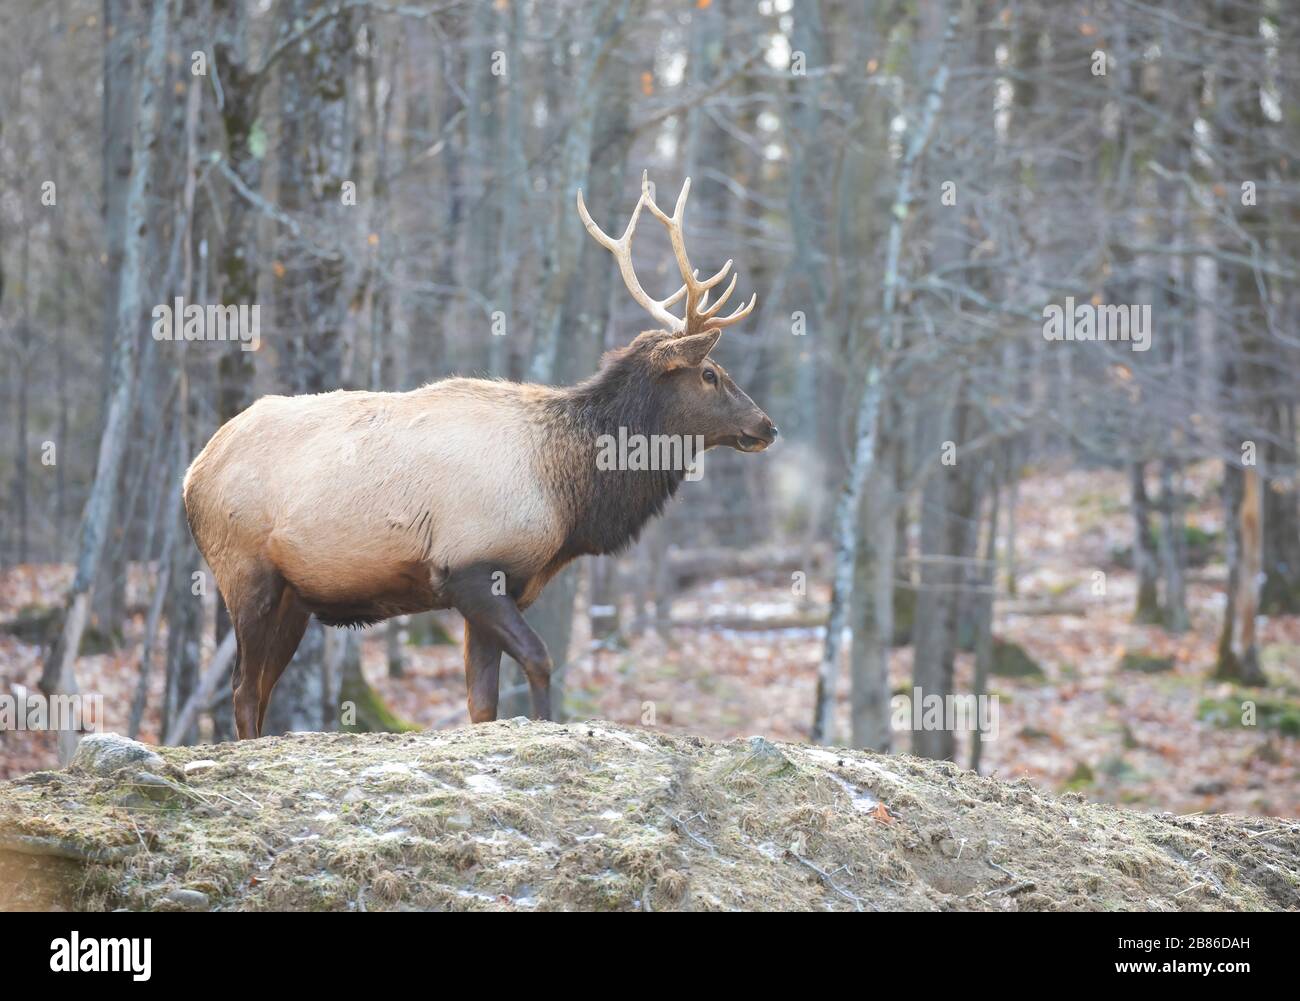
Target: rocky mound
525 815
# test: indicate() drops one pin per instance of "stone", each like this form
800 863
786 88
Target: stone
106 753
155 787
184 900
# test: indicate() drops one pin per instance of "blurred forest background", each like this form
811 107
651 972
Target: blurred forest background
1106 539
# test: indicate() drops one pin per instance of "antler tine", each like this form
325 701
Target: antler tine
675 236
735 317
712 311
622 251
722 273
698 318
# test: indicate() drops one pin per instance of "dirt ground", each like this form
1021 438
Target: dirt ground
519 815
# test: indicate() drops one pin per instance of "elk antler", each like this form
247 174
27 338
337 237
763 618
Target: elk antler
697 318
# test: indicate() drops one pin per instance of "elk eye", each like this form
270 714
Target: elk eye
711 377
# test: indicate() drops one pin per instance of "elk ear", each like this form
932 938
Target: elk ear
684 352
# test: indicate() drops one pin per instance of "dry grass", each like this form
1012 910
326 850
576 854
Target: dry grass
522 815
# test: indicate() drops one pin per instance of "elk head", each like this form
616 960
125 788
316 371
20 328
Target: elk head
698 396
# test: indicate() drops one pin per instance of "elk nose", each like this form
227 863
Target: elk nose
772 430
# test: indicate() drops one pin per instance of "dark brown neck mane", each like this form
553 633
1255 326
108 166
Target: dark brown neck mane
608 508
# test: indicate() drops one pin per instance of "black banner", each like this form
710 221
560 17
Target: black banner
142 951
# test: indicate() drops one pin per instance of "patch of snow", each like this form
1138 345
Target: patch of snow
487 898
771 851
483 783
862 801
819 754
640 745
387 768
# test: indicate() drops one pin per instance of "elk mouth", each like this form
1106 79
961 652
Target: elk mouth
750 443
746 442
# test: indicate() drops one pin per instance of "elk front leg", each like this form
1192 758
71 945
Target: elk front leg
490 611
482 673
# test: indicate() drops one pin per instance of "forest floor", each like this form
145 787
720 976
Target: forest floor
1121 712
522 815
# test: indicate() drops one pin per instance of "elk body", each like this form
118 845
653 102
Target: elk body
466 493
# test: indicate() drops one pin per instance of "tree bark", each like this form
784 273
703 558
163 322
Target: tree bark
1238 658
59 674
1173 547
1145 566
949 522
872 620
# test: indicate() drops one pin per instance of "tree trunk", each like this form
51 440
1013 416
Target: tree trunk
603 608
59 674
184 630
1238 659
1280 594
984 623
872 617
1173 546
1145 566
949 528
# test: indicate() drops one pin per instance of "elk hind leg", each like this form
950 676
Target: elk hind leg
291 625
267 638
482 673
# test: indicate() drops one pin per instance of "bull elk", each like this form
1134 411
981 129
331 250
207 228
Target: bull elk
466 493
